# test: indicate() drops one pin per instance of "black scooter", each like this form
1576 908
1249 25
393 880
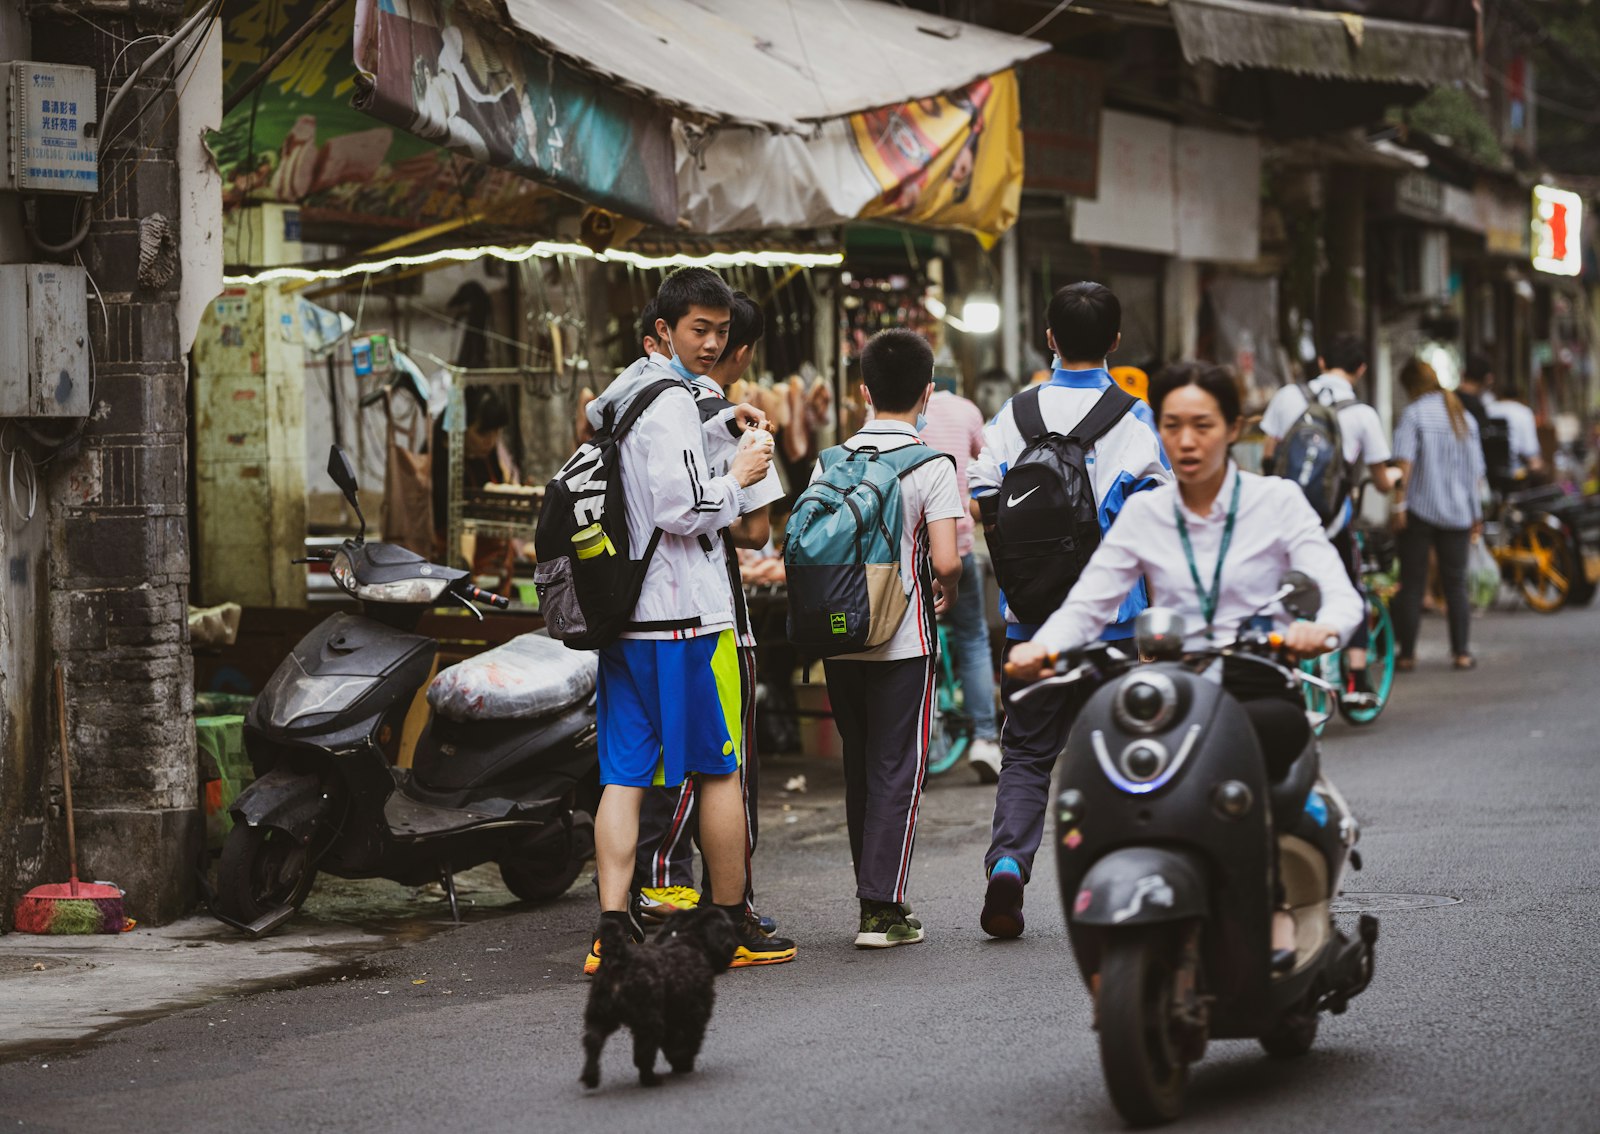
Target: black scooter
1164 828
324 738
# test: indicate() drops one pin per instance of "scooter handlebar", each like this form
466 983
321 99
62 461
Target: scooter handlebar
476 594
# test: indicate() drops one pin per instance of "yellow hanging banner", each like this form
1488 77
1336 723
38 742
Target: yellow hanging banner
954 161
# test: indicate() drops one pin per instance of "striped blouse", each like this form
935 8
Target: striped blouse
1445 468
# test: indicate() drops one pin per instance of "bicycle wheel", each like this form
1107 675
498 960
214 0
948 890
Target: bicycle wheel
1546 567
952 728
1380 661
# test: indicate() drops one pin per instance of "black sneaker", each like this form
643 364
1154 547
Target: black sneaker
756 947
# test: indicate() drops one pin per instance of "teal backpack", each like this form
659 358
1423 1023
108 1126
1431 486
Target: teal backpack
841 551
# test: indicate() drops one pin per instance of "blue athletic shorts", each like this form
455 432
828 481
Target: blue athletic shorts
668 708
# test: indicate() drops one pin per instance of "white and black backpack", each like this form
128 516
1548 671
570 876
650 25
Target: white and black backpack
587 602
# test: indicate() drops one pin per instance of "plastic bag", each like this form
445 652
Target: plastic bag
1483 575
530 676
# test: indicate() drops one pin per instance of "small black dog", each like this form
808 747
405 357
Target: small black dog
661 991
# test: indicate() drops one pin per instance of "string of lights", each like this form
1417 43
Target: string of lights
542 249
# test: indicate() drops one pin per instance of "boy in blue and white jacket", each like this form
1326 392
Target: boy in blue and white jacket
1085 325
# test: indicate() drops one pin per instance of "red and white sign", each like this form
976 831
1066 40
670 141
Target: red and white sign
1557 231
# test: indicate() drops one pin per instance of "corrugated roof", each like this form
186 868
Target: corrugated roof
779 64
1328 45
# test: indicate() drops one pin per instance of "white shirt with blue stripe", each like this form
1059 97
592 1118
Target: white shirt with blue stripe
1126 460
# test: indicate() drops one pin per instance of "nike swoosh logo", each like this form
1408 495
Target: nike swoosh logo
1013 501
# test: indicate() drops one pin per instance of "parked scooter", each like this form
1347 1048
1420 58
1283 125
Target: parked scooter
324 739
1164 827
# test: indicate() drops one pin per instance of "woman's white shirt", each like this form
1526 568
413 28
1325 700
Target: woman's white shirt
1276 530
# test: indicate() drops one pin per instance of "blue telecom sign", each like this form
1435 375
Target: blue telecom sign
54 135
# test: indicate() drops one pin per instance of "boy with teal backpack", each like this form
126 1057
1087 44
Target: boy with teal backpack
871 559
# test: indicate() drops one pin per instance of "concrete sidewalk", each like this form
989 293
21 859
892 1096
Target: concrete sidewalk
58 992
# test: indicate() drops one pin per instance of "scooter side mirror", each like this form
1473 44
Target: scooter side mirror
343 474
1304 599
1158 633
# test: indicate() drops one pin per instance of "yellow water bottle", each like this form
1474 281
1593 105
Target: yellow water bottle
592 541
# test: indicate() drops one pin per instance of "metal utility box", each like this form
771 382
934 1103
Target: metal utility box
53 140
44 341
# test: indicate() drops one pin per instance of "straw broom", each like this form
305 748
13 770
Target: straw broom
70 907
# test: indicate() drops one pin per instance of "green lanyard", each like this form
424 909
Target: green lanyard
1208 602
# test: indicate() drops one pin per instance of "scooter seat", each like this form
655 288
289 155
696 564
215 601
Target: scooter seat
453 755
532 677
1289 794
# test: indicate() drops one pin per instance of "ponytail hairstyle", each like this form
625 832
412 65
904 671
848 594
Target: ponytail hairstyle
1420 379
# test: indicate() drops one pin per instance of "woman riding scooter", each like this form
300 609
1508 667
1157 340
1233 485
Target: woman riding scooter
1213 547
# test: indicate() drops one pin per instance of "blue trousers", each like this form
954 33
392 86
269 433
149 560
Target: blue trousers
969 641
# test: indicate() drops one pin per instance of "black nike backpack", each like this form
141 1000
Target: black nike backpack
1045 521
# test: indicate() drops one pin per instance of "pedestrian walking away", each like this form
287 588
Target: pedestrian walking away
1439 508
1365 448
668 689
883 698
955 426
1085 321
1507 429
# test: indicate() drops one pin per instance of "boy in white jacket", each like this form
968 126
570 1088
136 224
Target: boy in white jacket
668 691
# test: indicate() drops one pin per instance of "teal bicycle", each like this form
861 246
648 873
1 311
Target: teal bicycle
952 725
1378 580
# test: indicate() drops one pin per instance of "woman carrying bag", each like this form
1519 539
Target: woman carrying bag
1438 508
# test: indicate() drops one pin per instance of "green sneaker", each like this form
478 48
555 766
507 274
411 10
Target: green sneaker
885 925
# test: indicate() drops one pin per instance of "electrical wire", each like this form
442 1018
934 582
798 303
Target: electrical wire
1054 12
188 60
207 11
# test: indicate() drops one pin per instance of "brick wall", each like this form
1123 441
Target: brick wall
118 556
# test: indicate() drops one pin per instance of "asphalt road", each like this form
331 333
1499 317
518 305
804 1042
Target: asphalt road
1481 786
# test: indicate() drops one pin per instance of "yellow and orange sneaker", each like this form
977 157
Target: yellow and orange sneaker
757 948
660 902
625 922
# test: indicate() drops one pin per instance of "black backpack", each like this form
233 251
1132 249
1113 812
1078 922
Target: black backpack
1046 523
1494 433
1311 454
587 601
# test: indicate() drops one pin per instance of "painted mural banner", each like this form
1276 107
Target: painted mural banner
299 140
427 70
954 161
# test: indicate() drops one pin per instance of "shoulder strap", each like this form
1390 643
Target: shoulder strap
1113 403
831 456
923 458
1026 413
641 402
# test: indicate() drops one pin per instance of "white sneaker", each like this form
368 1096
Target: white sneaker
984 756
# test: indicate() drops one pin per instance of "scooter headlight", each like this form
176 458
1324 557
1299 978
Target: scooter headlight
418 591
1143 760
1146 702
415 590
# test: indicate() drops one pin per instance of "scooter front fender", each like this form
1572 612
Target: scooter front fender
1142 886
291 801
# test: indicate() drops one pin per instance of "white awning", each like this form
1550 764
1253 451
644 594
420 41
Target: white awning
782 65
